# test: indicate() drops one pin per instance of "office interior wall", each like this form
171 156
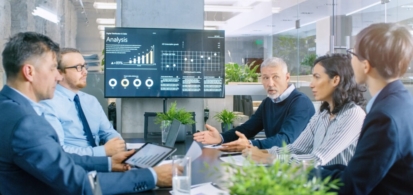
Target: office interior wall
5 20
16 16
239 48
323 36
95 86
89 42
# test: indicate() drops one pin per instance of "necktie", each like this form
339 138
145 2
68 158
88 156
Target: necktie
86 127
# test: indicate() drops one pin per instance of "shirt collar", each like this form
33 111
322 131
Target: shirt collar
66 92
38 108
285 94
371 101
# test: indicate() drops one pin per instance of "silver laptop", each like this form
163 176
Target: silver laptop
173 133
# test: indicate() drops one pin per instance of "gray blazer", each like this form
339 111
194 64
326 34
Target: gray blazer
33 162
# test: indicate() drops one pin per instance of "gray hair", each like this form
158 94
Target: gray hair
274 61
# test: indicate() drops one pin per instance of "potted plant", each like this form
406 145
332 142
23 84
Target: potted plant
308 61
226 118
238 73
102 62
281 177
183 116
242 73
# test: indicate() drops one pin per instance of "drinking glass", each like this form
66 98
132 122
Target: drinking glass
165 125
181 175
311 168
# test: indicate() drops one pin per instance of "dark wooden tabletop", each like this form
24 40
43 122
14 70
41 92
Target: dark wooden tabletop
206 168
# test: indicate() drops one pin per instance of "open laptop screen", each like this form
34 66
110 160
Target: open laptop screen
173 133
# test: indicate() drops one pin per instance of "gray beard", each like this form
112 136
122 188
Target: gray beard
275 96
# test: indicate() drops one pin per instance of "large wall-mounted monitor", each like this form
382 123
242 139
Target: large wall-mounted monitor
164 63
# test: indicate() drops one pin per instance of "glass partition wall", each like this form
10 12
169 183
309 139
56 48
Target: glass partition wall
299 30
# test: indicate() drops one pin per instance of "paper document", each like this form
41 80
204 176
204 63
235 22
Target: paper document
194 151
239 160
236 160
213 146
206 189
130 146
219 147
165 162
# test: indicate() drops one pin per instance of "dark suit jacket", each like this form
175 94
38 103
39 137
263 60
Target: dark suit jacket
383 160
33 162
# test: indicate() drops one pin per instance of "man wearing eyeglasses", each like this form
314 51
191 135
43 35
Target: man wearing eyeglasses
77 117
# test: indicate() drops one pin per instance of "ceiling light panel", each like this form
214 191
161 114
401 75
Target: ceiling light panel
105 21
210 28
214 23
407 6
276 9
102 5
46 15
221 8
102 27
363 8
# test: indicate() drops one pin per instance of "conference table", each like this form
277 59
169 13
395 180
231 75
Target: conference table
206 168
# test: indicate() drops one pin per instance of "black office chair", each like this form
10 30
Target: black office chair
243 103
154 130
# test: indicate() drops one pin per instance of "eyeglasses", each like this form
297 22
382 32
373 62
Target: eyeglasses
79 67
351 52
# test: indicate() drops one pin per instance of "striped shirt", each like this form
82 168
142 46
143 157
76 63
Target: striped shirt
326 141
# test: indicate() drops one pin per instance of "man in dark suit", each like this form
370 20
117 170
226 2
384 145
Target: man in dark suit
31 159
383 160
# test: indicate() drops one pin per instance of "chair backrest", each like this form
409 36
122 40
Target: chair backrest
154 130
191 129
94 183
151 129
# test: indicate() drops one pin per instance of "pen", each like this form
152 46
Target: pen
232 154
216 185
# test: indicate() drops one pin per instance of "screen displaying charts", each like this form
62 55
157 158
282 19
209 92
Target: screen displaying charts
148 156
145 62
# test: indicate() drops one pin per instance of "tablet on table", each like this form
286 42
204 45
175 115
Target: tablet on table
149 155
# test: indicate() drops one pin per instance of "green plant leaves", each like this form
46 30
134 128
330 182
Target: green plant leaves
225 116
279 178
174 113
237 73
309 60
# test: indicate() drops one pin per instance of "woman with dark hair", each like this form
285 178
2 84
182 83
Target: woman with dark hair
332 133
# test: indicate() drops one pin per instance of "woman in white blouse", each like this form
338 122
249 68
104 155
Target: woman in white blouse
332 133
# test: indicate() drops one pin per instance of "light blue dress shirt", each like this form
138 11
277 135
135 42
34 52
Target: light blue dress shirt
371 101
62 114
285 94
